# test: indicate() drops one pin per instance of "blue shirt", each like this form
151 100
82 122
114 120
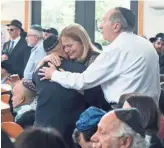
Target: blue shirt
37 53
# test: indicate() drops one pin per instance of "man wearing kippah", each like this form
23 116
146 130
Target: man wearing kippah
121 128
35 40
48 32
86 126
129 64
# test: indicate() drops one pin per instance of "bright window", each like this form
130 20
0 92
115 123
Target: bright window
57 13
101 8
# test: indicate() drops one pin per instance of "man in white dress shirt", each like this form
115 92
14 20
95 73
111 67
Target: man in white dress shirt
129 64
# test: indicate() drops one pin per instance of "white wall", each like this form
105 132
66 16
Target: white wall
153 18
14 9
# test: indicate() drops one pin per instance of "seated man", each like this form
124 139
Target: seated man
86 126
21 100
121 128
35 40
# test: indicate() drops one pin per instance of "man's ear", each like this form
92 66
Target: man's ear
116 27
22 100
126 142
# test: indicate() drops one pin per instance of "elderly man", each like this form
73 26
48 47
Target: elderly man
35 40
125 66
14 50
120 129
86 126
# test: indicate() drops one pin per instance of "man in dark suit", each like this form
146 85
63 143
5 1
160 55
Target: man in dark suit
16 47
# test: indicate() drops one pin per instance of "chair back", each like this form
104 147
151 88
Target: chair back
5 98
12 129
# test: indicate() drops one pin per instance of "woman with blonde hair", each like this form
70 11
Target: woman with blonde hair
76 44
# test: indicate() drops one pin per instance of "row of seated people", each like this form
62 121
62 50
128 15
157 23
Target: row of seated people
134 122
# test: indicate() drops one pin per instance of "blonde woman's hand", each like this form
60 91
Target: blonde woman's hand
53 58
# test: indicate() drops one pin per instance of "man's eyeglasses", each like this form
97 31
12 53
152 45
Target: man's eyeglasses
11 30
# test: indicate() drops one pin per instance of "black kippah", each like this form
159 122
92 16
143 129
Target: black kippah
132 118
128 15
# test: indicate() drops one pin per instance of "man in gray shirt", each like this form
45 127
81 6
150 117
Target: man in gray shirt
35 40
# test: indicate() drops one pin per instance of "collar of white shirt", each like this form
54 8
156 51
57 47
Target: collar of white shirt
118 41
16 40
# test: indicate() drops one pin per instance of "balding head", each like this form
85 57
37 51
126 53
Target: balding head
115 21
22 95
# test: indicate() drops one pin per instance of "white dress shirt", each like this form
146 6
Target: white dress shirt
129 64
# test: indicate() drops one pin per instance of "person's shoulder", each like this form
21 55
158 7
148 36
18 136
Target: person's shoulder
95 53
22 40
72 66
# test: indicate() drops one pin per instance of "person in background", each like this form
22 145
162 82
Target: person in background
120 128
21 103
158 42
120 62
14 49
149 114
40 138
86 126
48 32
35 40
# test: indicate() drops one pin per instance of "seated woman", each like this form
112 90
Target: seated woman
149 114
78 47
21 100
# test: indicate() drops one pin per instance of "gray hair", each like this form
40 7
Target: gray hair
138 140
75 135
39 34
118 17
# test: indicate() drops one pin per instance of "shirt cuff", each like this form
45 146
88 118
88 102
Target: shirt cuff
55 75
